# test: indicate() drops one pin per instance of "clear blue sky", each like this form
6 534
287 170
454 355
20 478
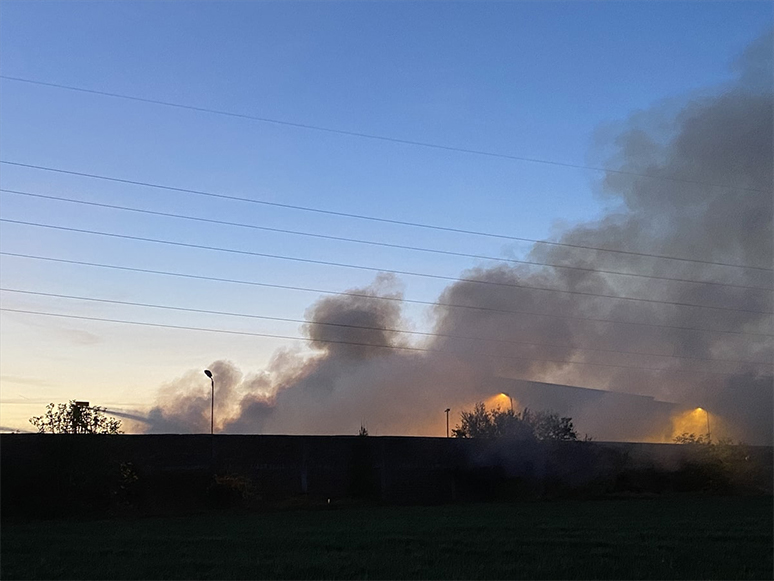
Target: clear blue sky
527 79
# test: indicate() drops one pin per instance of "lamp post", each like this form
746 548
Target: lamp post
208 373
446 411
709 432
510 398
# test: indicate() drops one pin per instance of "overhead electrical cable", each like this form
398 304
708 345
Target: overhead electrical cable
371 268
373 328
373 297
375 218
376 137
355 343
372 242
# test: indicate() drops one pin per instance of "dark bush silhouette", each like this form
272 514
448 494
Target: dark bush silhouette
527 425
75 418
229 491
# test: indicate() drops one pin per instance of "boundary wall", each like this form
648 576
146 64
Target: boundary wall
45 473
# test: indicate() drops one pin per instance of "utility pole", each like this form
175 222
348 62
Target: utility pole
446 411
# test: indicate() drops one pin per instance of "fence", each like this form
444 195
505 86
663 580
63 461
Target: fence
52 474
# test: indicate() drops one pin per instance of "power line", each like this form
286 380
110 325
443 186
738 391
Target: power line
372 297
378 137
353 343
371 242
374 218
369 268
371 328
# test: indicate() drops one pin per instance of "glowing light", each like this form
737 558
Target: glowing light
695 421
504 394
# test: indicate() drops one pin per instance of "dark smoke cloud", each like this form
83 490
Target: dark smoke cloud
379 317
184 405
722 138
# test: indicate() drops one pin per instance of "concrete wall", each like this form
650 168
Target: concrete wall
54 470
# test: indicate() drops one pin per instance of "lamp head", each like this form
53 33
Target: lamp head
208 373
447 410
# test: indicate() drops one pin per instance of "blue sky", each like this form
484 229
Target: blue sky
525 79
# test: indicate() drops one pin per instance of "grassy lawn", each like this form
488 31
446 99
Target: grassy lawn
691 538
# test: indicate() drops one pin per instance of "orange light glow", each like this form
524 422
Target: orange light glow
691 422
499 401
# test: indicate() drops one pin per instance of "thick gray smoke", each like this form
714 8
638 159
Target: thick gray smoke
723 138
184 405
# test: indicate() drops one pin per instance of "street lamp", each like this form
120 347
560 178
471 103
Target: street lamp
208 373
446 411
510 398
709 432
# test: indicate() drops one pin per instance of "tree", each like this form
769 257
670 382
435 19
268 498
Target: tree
686 438
497 423
363 431
73 418
547 425
475 424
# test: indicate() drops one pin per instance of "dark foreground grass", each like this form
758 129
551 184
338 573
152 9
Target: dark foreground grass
692 538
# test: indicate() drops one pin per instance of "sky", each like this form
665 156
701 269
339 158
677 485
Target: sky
549 81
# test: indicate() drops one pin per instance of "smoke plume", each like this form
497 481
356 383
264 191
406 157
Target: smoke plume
723 138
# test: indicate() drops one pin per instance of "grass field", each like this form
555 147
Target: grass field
691 538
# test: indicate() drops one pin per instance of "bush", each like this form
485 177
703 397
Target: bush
527 425
230 490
